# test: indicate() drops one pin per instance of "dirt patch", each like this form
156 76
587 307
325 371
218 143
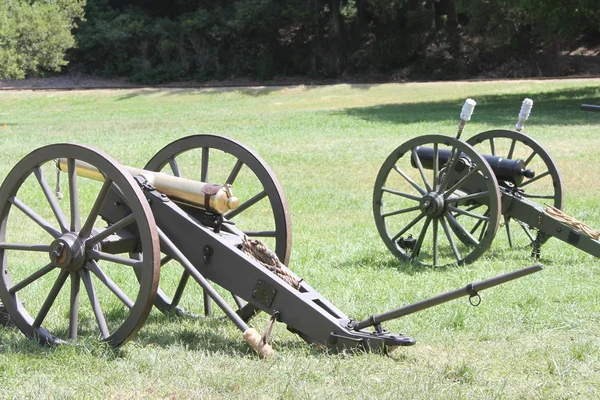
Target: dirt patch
65 82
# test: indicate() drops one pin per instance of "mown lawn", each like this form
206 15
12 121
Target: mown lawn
537 337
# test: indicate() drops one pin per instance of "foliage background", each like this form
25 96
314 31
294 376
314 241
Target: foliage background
34 35
151 41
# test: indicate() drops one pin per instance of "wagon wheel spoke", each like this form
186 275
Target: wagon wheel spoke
536 178
538 196
450 165
435 241
419 165
436 165
461 182
419 242
204 167
86 230
25 247
234 172
530 158
31 278
461 229
467 213
165 260
402 211
246 205
401 194
109 283
94 302
492 146
114 228
174 167
409 180
467 197
74 306
483 229
511 150
508 232
73 196
473 207
450 239
54 291
407 227
185 276
132 262
34 216
486 214
526 230
58 213
264 234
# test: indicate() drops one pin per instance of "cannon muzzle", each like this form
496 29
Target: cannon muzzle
210 197
505 169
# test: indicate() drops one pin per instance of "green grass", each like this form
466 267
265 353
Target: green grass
537 337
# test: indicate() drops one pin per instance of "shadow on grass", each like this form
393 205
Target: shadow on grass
246 91
381 261
166 330
556 107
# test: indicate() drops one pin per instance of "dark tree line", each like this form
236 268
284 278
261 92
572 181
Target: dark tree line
155 41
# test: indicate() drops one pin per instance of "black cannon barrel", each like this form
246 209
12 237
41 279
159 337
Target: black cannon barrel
590 107
443 298
505 169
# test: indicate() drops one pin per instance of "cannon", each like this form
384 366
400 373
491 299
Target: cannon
129 239
439 200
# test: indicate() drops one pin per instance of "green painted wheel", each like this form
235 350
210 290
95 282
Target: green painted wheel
45 243
263 212
427 209
545 187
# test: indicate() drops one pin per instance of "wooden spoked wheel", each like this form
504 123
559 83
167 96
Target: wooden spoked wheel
263 212
60 280
545 187
428 210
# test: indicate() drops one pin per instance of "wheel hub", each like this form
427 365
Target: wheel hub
68 252
432 204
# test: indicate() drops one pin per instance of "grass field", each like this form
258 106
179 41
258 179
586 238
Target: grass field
538 337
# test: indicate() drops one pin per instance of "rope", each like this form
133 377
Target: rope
258 250
575 223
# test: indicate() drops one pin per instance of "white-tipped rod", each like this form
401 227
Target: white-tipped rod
465 115
524 114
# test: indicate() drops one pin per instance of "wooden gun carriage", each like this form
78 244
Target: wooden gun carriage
119 230
454 195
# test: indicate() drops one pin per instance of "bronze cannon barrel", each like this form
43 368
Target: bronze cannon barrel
210 197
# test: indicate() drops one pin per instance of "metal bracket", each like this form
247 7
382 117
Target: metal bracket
573 238
264 293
